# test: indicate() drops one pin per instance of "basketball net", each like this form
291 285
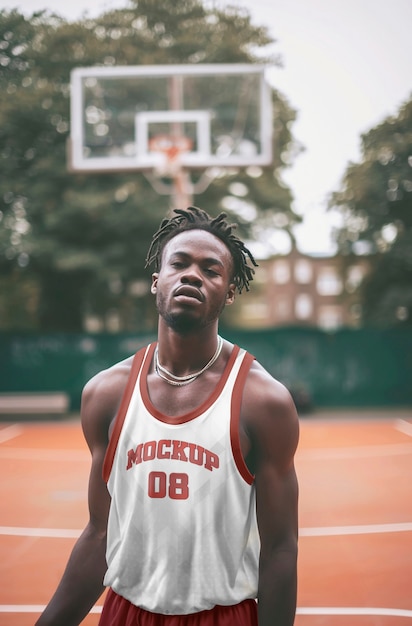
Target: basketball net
171 149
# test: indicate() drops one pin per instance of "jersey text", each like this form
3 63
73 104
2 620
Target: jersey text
172 449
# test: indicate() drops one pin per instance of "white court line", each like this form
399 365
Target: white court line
321 531
367 529
313 610
33 608
10 432
43 454
404 427
348 610
356 452
49 533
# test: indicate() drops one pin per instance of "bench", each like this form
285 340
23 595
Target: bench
34 403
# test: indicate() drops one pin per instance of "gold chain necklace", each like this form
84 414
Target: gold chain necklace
179 381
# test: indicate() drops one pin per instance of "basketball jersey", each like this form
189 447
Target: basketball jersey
182 531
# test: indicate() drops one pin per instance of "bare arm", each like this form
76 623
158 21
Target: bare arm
273 432
82 582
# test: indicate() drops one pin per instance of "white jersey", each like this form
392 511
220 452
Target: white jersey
182 531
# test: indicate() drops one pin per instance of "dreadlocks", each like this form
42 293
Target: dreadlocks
194 218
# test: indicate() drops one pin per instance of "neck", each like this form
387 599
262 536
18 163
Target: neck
186 353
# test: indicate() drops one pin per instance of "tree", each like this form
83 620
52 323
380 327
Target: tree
376 206
73 245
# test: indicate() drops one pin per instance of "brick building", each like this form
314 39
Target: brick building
299 289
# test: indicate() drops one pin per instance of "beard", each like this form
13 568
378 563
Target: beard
184 322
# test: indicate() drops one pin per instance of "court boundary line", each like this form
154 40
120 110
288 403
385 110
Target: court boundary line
310 454
360 529
10 432
348 610
321 610
35 608
46 455
404 427
48 533
351 452
316 531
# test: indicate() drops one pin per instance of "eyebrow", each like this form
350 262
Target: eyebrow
207 260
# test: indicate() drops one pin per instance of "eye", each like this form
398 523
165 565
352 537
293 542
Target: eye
211 272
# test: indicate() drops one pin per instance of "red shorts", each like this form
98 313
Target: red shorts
120 612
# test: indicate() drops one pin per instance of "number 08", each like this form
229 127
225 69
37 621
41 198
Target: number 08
176 486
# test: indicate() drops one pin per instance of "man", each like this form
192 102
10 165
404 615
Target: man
193 491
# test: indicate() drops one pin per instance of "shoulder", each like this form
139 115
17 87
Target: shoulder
269 415
101 399
263 388
105 387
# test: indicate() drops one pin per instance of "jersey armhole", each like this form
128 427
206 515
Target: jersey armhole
235 417
121 414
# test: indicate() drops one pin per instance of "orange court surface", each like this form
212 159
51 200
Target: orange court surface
355 555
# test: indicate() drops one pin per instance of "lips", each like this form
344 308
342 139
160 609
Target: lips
189 291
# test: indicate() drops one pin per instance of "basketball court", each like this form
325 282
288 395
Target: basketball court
182 127
355 561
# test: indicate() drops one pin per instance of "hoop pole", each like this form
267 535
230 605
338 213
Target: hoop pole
181 196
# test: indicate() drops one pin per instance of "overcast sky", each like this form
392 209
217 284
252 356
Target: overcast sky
346 66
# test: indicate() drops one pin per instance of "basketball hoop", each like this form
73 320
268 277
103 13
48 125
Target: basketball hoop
171 148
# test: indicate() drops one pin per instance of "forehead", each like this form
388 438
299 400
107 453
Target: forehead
198 242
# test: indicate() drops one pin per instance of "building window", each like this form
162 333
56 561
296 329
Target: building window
281 272
330 317
329 282
303 306
255 311
303 271
354 277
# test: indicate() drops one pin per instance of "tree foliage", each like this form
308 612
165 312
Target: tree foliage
73 245
376 206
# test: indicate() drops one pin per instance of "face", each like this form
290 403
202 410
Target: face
194 282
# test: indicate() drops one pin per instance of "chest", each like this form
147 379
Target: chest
174 401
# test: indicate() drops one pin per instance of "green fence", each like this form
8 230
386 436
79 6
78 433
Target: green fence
365 367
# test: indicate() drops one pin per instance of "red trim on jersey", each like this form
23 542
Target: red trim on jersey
235 417
186 417
121 414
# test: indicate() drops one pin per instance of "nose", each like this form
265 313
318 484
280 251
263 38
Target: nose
192 276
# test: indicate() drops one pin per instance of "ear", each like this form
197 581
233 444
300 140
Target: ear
153 288
231 293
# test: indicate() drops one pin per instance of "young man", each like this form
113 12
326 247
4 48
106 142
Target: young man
193 491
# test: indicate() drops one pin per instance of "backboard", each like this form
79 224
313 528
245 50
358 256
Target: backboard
213 115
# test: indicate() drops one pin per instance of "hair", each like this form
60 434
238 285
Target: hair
194 218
